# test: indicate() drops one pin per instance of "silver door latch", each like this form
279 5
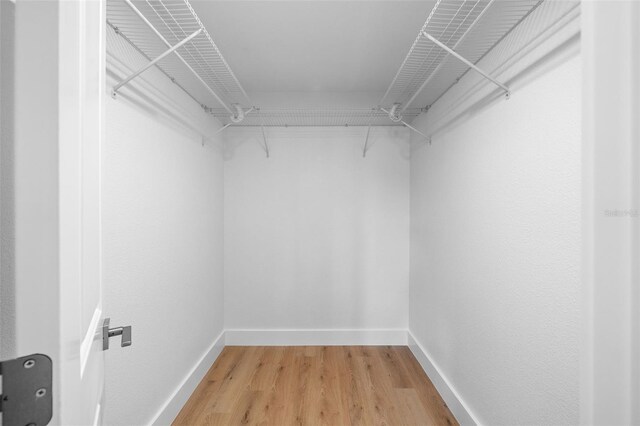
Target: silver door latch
107 332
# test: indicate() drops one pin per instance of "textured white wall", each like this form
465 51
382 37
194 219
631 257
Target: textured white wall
162 220
316 237
162 248
495 253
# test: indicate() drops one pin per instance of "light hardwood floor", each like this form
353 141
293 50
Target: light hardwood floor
313 385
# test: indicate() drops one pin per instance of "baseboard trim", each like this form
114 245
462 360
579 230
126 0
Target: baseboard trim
176 401
318 337
323 337
448 393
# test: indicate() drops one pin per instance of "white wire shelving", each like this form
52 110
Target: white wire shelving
456 35
315 116
153 26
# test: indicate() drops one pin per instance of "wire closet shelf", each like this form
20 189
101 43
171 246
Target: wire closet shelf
455 36
152 26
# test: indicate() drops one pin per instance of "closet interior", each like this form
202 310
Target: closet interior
400 178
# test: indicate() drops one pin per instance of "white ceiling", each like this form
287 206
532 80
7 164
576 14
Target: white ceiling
313 46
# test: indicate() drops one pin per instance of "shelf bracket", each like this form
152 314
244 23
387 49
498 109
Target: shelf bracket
264 134
366 142
172 49
408 125
468 63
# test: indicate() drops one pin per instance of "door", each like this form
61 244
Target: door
59 85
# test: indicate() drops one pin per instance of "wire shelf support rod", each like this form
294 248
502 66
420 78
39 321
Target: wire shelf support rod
172 49
468 63
442 62
247 112
164 40
406 124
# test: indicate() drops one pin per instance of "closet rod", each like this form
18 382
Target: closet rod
150 25
469 63
407 124
117 87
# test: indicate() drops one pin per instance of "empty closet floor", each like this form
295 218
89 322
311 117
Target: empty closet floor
309 385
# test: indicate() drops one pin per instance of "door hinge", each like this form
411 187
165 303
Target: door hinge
26 398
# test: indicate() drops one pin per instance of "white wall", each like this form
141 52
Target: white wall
162 222
7 206
316 236
495 252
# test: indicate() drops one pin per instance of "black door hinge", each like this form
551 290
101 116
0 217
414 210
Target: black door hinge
26 398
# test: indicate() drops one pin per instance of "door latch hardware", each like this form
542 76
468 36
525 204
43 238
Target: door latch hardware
107 332
26 391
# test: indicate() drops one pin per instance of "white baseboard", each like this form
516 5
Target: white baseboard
176 401
324 337
448 393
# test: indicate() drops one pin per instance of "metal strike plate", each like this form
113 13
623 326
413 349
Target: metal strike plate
26 391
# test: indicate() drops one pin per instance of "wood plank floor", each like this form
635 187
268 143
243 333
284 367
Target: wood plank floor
315 385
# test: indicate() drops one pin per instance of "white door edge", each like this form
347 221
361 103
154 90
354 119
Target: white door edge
85 347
